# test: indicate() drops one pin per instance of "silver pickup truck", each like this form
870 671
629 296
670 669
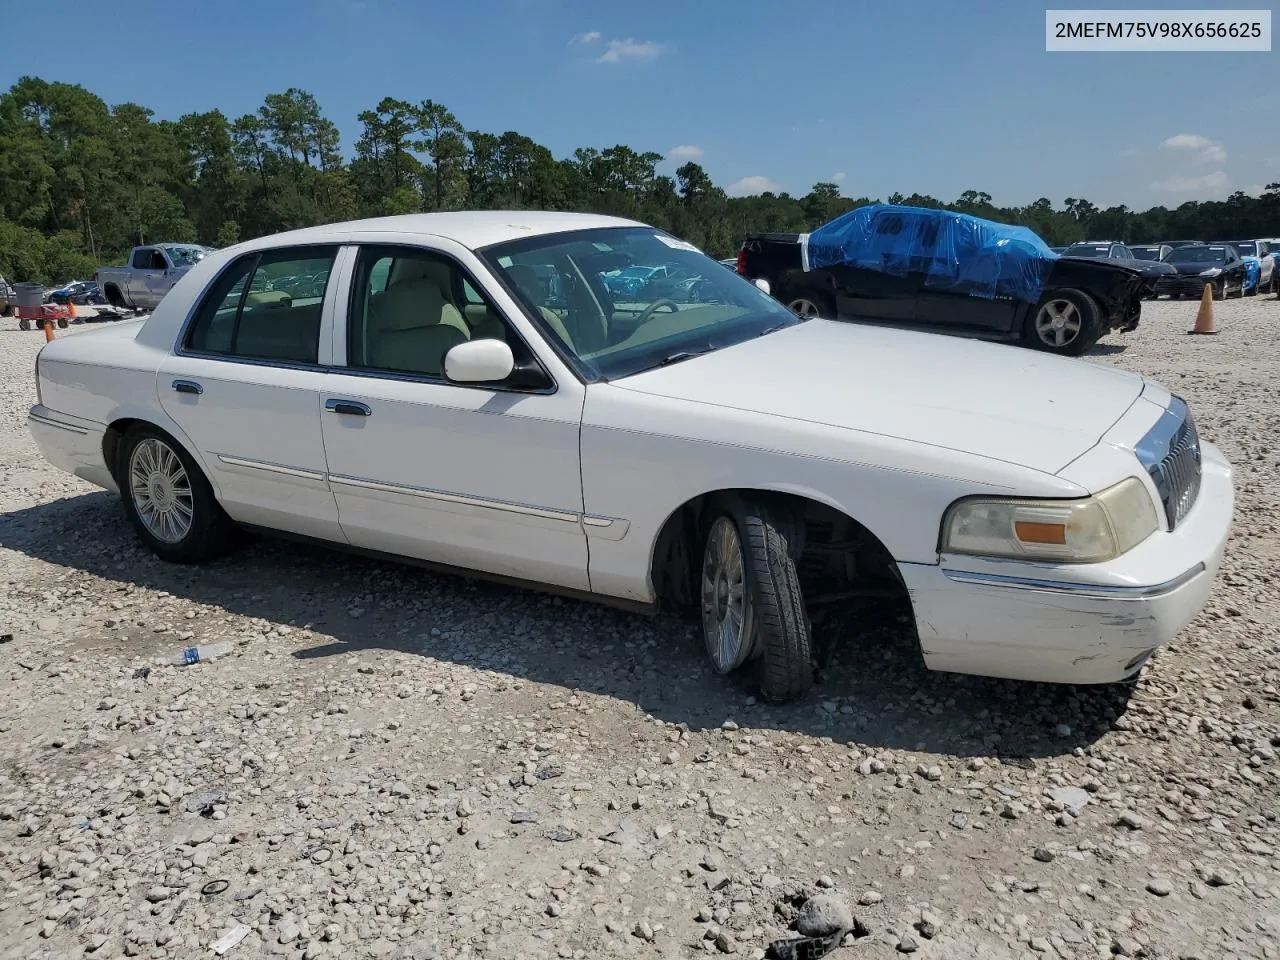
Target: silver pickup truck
150 272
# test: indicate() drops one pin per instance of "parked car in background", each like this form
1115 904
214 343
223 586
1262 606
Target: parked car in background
1152 270
1252 276
77 292
915 265
1035 517
149 274
1265 252
1181 243
631 280
1217 264
1150 251
8 297
1057 250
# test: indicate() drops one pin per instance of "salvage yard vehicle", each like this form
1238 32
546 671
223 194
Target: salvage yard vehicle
1038 517
915 265
1217 264
1151 269
1265 253
149 274
8 297
1151 251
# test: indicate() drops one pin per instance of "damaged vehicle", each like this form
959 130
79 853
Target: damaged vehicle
952 271
1151 268
782 480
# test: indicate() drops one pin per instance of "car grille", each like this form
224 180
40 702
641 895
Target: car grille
1181 285
1170 452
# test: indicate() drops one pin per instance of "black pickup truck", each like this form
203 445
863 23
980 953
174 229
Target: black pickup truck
913 265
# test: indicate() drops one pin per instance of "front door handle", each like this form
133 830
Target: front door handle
188 386
350 407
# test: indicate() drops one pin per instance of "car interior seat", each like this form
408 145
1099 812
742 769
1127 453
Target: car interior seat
414 327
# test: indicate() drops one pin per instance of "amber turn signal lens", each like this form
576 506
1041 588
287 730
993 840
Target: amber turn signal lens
1040 532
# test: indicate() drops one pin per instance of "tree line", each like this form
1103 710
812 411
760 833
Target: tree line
81 182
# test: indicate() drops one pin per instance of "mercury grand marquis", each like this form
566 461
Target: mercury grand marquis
464 390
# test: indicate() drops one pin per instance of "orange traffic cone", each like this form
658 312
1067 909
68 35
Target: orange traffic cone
48 330
71 309
1204 317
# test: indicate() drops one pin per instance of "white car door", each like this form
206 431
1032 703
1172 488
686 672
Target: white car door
478 477
244 384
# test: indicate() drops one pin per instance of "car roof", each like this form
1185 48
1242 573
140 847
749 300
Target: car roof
471 228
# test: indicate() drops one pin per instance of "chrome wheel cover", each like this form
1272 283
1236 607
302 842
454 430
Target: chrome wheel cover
726 608
1058 323
161 491
805 308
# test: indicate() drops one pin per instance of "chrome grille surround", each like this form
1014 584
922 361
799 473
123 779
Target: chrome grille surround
1170 452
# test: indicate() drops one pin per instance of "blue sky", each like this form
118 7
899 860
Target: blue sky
928 96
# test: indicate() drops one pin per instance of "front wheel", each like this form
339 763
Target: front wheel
1065 321
168 500
752 606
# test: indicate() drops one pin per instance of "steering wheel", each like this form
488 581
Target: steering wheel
651 308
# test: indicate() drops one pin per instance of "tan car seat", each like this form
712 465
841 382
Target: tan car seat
414 327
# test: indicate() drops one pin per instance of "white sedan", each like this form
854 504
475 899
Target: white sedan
464 390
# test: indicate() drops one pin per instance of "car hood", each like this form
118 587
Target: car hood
1196 267
999 401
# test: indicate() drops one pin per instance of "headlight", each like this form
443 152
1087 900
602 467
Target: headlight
1090 530
1211 272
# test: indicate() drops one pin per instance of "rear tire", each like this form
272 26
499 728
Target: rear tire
168 500
810 304
1065 321
749 559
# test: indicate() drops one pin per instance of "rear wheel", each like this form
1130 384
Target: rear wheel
810 304
752 606
1064 321
168 500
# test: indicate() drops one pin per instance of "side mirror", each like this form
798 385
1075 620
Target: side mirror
479 361
763 284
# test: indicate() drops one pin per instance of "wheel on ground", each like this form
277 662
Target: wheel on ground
811 304
1064 321
167 498
24 324
1220 290
62 323
752 607
1254 290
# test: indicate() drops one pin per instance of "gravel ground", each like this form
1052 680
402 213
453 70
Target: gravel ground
396 764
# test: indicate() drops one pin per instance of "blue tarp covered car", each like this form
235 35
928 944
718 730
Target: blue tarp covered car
940 268
953 251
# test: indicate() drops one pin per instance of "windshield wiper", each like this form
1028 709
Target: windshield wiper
680 355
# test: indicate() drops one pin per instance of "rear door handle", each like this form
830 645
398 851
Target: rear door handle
188 386
350 407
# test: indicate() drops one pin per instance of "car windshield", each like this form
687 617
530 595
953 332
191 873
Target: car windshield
1247 248
1086 250
185 256
1198 254
1146 253
584 291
